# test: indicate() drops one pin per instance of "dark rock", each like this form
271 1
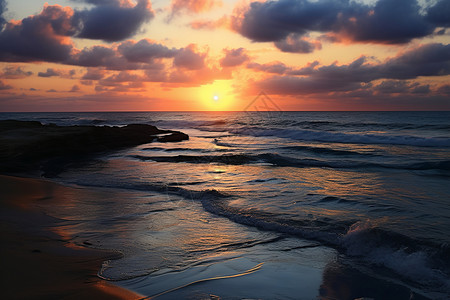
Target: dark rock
26 145
173 137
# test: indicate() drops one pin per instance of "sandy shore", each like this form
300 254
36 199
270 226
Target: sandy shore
37 263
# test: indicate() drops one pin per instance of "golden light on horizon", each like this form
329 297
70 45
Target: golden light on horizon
217 96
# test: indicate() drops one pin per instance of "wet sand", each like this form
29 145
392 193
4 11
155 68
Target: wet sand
41 261
37 263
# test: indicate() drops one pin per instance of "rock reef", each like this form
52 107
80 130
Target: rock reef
28 145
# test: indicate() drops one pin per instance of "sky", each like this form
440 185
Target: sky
186 55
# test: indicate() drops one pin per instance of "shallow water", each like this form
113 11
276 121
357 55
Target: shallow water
369 190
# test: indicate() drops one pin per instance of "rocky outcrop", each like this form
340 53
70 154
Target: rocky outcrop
26 145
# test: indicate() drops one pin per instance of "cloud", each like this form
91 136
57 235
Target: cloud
145 51
288 22
280 68
2 10
56 72
112 21
193 6
49 73
93 74
295 43
234 57
95 56
211 25
129 55
426 60
401 87
4 86
42 37
11 72
151 63
74 89
123 76
274 67
47 35
439 14
105 2
444 89
188 58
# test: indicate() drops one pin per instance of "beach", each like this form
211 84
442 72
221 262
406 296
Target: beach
291 208
43 262
38 263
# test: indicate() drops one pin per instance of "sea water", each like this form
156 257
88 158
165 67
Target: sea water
370 189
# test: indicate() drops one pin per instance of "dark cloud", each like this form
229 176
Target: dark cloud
56 72
47 35
306 70
234 57
101 2
145 51
49 73
401 87
439 14
389 22
295 43
188 58
42 37
287 22
123 76
281 69
426 60
11 72
93 74
74 89
444 89
112 22
129 55
4 86
274 67
95 56
2 10
273 21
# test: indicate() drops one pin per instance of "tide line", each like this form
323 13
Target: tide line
249 271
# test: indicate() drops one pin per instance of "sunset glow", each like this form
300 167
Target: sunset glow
92 55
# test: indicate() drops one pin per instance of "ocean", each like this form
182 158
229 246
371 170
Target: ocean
361 191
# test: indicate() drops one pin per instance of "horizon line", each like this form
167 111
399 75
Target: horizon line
217 111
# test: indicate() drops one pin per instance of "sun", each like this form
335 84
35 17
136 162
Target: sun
217 96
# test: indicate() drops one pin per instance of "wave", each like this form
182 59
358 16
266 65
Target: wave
172 188
332 199
199 124
419 261
336 137
323 150
285 161
423 263
183 149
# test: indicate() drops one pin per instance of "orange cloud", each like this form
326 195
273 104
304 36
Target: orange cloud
193 6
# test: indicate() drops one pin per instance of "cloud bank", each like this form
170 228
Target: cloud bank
288 23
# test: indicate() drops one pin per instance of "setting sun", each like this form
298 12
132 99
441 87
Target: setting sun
217 96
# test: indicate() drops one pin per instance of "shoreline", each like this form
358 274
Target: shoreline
39 263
